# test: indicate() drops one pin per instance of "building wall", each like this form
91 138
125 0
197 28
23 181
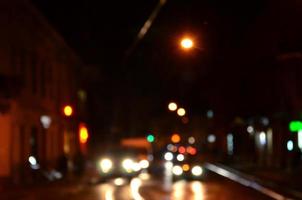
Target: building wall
4 145
39 78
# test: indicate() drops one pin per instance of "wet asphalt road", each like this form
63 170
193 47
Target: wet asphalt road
213 188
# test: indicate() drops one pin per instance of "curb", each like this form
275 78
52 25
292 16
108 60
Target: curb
267 188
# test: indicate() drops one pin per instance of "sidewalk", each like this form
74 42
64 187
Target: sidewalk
288 182
22 191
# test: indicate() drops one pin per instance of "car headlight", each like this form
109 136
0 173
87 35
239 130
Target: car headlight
127 164
197 171
168 156
136 167
177 170
105 165
144 164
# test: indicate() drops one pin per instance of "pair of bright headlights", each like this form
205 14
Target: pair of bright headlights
195 171
106 165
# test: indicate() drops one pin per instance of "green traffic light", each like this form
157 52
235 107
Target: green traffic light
150 138
295 126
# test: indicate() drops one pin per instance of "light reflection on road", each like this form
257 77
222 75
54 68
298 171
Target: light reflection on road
178 190
106 192
138 189
198 190
135 185
183 190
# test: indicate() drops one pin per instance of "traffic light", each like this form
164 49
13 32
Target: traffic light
67 110
295 126
150 138
83 133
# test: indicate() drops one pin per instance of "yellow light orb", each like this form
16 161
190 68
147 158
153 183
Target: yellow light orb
172 106
186 43
83 134
68 111
181 112
186 167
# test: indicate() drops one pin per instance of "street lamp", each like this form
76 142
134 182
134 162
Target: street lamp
67 110
187 43
181 112
172 106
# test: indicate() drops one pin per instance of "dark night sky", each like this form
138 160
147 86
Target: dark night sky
232 74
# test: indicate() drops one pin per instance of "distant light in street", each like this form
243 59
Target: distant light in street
211 138
150 157
191 140
300 139
150 138
290 145
265 121
119 181
83 133
136 166
144 164
262 138
197 171
177 170
175 138
191 150
172 106
295 126
230 143
182 149
180 157
181 112
186 43
250 129
128 165
32 160
33 163
82 95
170 147
106 165
168 156
168 165
67 111
144 176
45 121
186 167
210 114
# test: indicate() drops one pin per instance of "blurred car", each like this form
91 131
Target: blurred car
120 162
187 171
184 162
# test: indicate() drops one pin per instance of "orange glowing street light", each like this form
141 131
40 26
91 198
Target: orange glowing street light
175 138
67 110
186 43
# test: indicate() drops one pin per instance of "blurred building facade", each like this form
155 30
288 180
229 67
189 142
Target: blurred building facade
37 78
